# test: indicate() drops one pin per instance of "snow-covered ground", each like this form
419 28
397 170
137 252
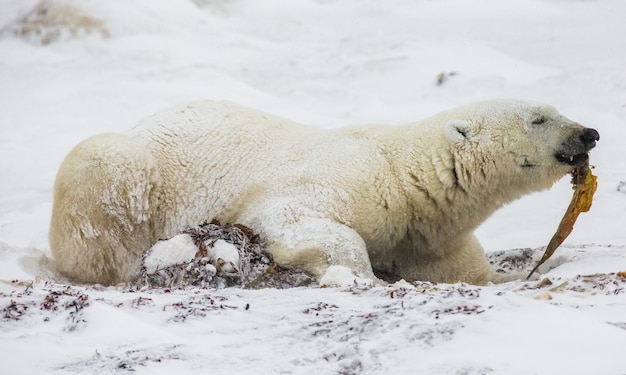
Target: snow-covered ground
326 63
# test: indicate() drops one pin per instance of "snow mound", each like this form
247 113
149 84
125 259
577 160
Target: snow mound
53 20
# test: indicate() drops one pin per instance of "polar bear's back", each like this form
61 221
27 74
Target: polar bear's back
211 138
215 156
215 126
208 140
212 154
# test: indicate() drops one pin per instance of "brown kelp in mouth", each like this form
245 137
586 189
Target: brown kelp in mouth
585 185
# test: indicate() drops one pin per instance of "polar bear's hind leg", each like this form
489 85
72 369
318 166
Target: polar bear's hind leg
103 197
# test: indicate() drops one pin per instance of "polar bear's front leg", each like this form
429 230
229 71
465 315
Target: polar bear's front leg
315 244
464 260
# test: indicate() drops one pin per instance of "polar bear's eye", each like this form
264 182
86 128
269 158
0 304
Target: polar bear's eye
539 120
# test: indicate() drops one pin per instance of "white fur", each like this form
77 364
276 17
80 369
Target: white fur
403 198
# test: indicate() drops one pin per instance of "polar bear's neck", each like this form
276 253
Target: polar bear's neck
446 187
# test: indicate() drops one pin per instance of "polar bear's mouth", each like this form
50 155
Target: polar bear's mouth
572 160
575 150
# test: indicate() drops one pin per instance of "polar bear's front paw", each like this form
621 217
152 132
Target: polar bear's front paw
341 276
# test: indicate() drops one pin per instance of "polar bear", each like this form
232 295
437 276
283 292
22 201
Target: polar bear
404 200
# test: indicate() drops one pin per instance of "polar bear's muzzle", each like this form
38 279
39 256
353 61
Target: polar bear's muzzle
575 150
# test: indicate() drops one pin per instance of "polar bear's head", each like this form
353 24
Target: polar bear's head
530 145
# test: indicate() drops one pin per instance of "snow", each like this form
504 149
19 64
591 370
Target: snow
178 249
325 63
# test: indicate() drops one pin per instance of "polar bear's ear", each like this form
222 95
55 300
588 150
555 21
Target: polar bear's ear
457 131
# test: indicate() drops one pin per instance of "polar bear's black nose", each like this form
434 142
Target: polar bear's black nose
589 137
